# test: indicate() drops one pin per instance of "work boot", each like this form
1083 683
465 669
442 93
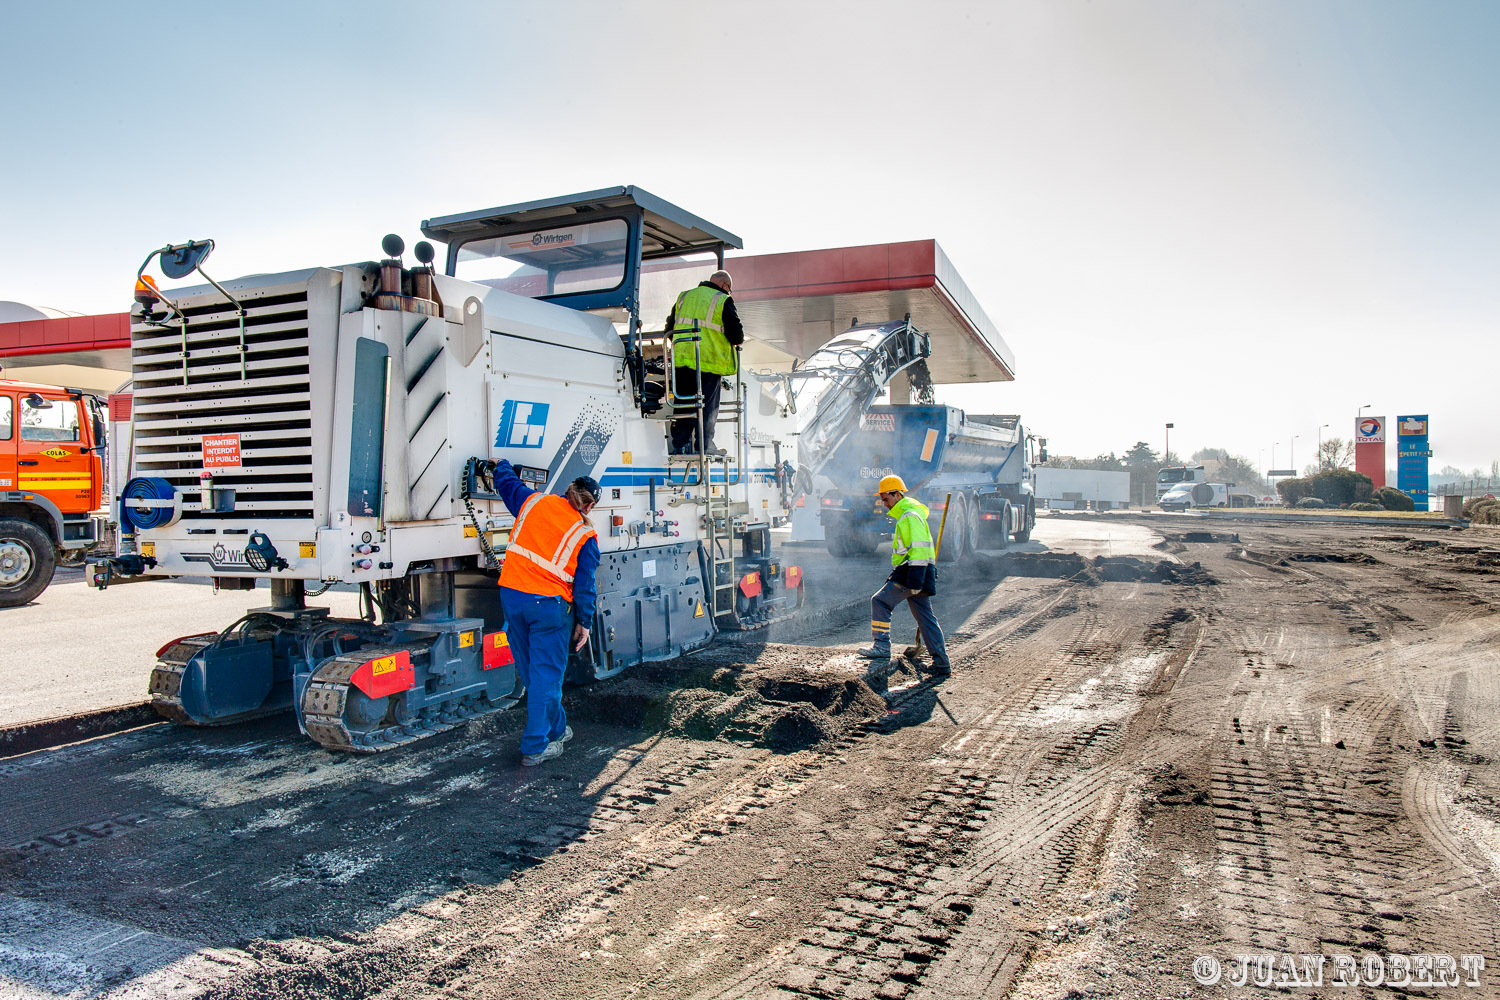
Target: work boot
876 652
554 749
567 734
940 669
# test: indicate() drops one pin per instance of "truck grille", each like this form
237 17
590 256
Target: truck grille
178 400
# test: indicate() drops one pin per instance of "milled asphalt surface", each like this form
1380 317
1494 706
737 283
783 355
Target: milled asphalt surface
76 649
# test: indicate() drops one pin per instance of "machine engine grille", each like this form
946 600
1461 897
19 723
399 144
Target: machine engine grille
178 399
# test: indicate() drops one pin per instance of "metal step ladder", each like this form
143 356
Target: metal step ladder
712 474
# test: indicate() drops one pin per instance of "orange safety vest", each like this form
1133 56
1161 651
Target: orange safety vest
543 552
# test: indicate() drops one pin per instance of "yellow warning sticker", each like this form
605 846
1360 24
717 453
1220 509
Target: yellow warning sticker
307 550
470 531
57 453
699 612
465 639
148 549
627 458
384 665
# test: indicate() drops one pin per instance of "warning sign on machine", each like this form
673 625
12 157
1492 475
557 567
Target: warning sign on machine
221 451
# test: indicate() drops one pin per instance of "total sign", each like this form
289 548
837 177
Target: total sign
1369 449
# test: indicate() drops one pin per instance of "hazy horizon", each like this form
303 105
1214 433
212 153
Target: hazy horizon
1247 219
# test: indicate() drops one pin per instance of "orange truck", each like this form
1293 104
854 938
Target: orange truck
51 484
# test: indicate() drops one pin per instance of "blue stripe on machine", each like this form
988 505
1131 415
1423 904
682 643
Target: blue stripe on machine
629 475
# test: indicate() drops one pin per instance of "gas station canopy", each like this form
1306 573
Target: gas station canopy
799 301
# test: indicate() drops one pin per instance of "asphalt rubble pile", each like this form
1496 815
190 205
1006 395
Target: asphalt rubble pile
774 695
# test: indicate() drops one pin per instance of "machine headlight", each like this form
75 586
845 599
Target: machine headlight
261 554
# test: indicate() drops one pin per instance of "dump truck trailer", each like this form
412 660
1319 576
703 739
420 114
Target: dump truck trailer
983 461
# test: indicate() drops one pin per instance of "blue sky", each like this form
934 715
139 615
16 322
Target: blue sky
1245 218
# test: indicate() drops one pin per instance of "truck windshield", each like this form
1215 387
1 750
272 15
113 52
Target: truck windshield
589 257
55 421
1171 475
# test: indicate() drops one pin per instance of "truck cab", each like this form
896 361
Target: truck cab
51 483
1177 475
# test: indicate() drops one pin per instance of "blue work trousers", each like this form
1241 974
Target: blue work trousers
886 600
539 629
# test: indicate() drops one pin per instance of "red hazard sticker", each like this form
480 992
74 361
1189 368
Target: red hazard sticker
385 675
497 651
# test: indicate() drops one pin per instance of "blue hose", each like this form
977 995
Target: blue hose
144 517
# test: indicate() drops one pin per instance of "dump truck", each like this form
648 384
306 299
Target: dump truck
1173 476
51 484
983 461
342 424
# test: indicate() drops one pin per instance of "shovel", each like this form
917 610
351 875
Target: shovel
911 651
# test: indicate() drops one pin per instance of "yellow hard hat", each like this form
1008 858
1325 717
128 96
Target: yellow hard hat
892 484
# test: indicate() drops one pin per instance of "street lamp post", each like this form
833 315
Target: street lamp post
1167 450
1320 446
1292 453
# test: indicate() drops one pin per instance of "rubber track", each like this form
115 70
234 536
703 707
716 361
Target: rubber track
327 694
166 687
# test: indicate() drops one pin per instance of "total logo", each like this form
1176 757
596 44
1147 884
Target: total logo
1369 426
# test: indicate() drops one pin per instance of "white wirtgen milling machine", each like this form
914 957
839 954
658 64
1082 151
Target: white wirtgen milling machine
339 425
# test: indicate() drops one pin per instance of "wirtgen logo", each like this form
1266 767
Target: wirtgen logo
522 424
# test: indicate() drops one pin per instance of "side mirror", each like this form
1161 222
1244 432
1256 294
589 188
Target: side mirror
36 402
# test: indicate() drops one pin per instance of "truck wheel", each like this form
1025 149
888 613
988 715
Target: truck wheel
839 543
1027 523
1000 536
27 560
955 534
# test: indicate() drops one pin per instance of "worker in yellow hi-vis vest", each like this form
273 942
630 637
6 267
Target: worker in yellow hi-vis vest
913 577
706 312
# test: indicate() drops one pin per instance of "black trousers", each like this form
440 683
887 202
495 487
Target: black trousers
685 428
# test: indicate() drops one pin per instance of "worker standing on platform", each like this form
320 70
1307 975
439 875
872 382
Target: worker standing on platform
550 564
913 577
706 312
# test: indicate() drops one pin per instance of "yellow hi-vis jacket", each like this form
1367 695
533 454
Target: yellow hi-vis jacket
913 556
705 306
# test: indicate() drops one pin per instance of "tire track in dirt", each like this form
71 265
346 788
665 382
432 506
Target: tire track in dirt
1304 823
1021 804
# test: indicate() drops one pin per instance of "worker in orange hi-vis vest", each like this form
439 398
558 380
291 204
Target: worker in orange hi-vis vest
549 565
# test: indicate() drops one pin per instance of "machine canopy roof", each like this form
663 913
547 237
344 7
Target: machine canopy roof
668 231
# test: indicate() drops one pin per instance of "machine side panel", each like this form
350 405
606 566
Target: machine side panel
651 605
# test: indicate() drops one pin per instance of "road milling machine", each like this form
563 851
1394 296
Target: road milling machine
341 425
